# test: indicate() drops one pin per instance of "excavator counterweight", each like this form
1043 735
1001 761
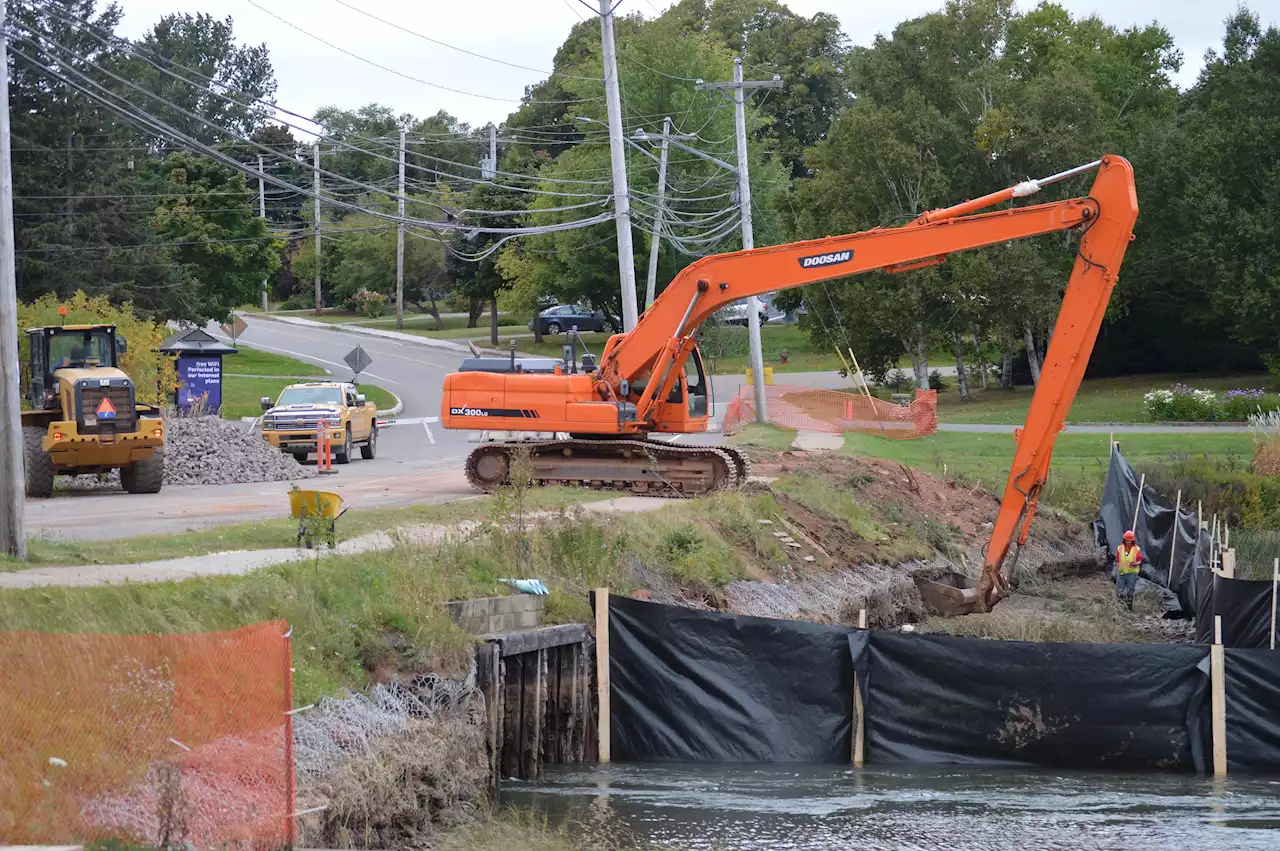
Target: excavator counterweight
650 381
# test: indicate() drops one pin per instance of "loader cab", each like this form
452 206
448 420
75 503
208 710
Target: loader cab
68 347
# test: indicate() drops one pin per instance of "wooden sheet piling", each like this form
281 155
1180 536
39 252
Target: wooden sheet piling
602 671
1217 684
860 729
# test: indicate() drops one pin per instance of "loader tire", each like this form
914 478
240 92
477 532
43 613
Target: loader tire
144 476
37 464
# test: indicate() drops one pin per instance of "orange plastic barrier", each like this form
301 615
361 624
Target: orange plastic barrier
151 740
808 409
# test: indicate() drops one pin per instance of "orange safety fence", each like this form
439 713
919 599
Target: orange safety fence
156 740
810 409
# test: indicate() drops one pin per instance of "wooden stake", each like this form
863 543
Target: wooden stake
860 729
1228 564
602 671
1217 683
1173 544
1275 580
1226 537
862 378
1142 483
1111 442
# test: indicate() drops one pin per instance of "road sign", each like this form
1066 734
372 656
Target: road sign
235 328
358 359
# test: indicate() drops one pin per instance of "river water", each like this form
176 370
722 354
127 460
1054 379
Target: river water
956 808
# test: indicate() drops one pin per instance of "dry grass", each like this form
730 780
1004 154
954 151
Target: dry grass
407 791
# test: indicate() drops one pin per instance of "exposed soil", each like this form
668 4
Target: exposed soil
915 524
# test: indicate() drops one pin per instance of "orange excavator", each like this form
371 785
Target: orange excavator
651 380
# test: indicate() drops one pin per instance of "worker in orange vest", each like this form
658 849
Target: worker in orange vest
1128 566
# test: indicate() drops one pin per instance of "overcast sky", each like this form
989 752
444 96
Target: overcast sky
527 32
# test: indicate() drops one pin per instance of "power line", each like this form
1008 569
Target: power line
150 122
390 70
404 29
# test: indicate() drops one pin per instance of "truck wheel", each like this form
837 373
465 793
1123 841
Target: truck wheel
144 476
38 465
343 454
301 457
370 447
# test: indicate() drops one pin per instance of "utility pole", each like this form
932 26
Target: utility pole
740 88
13 536
618 160
650 292
489 169
262 214
315 190
400 243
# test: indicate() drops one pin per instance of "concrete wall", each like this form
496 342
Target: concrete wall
497 614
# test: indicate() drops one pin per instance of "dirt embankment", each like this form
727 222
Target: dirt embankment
853 534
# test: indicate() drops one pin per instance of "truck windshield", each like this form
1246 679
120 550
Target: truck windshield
311 396
80 349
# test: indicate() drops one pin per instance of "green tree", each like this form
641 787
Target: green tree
223 248
241 76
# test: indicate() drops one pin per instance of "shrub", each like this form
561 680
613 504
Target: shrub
299 301
368 303
937 382
154 375
1182 404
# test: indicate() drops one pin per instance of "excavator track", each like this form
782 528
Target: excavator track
638 467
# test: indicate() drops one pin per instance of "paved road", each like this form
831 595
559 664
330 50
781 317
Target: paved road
413 372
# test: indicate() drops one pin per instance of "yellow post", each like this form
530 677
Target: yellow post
1218 699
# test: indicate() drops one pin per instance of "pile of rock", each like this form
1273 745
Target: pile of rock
213 451
209 451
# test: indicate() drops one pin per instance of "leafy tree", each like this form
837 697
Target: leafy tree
241 76
223 248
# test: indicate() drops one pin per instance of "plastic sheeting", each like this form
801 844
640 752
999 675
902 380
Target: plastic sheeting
704 686
691 685
946 699
1253 725
1245 607
1156 531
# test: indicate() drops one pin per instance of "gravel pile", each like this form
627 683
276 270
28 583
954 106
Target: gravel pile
213 451
209 451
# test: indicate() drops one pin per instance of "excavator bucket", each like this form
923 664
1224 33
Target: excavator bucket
950 595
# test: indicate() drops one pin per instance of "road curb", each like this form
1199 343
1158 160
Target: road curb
358 331
394 409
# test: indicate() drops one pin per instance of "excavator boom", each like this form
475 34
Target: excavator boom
651 379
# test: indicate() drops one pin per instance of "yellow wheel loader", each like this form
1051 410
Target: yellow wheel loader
83 416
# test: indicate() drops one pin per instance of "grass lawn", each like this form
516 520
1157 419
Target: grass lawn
267 534
1101 400
480 335
241 397
1079 460
249 361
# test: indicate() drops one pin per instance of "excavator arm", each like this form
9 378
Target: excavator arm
651 356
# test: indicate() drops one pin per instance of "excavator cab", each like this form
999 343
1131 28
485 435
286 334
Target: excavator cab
689 399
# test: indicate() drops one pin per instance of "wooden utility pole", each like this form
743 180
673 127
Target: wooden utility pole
13 536
618 163
315 188
740 87
400 242
262 214
655 241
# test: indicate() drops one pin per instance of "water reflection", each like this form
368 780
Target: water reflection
957 808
